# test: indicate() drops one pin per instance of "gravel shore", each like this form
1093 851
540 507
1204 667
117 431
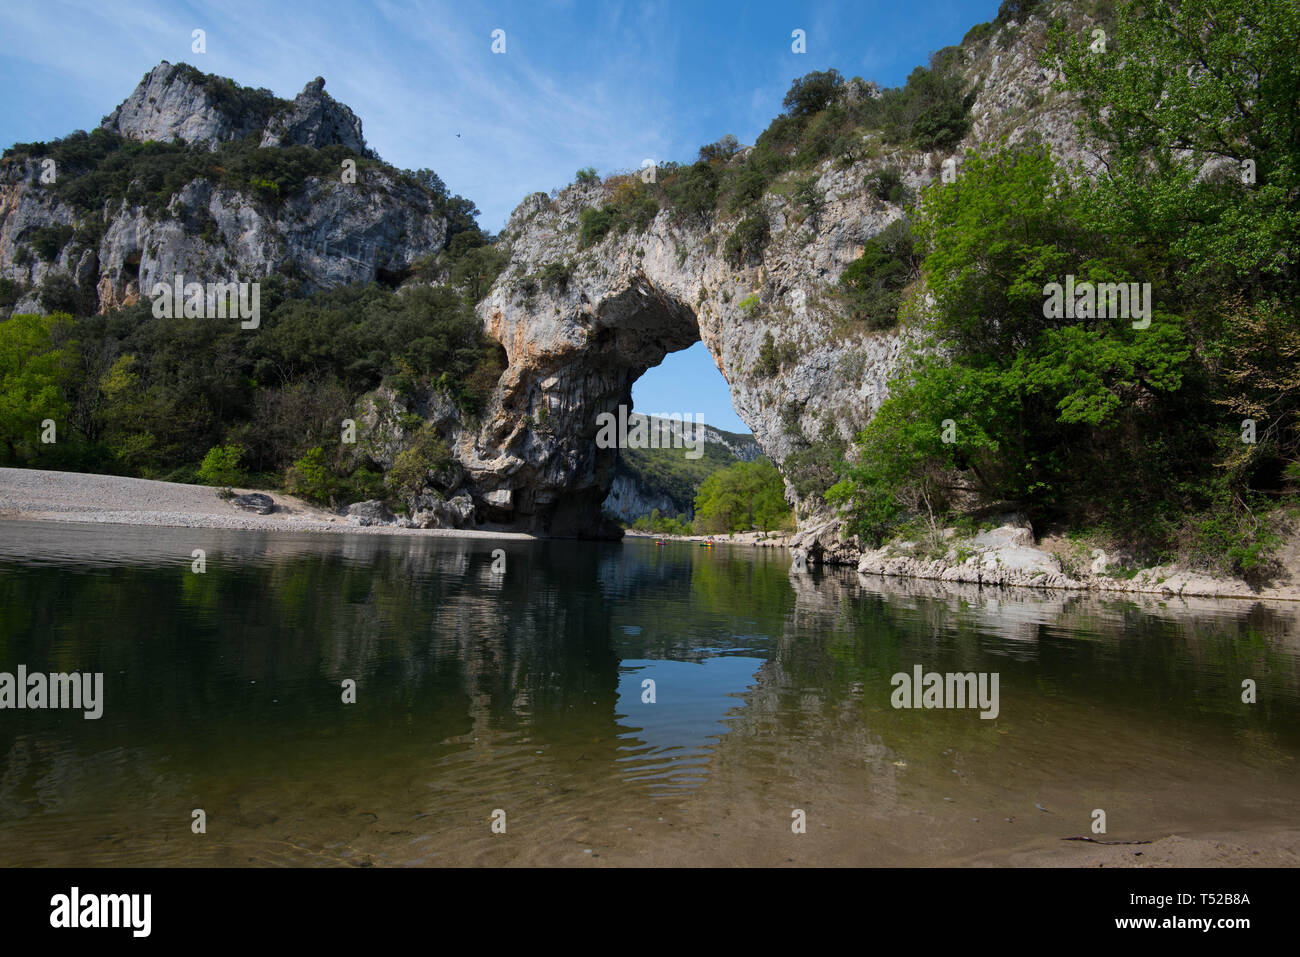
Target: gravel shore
33 494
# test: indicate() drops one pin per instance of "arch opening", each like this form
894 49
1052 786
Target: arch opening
661 481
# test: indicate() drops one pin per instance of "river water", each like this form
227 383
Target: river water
505 717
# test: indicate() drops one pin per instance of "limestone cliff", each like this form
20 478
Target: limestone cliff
579 326
328 233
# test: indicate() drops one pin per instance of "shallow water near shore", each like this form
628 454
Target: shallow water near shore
525 692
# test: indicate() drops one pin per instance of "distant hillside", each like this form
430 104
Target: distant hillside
665 479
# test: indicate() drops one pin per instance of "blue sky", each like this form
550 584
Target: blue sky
580 84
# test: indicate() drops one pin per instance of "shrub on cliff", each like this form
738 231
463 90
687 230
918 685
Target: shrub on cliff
693 192
417 465
594 225
48 241
747 240
555 276
812 93
886 184
873 283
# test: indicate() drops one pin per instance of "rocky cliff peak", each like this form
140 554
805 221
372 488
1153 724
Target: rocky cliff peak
179 102
318 120
106 238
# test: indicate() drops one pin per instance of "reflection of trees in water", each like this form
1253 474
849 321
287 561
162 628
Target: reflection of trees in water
1155 662
244 663
687 603
804 734
413 624
250 655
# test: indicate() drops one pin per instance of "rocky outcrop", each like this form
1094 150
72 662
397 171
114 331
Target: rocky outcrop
372 512
824 542
257 502
1008 556
743 447
628 500
330 233
575 349
1002 557
432 512
179 102
317 120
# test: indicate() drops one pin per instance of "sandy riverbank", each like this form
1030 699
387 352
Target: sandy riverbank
36 495
757 539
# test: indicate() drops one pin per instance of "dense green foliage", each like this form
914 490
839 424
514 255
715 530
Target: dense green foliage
417 464
152 397
873 283
664 524
101 167
741 497
33 371
1104 420
221 466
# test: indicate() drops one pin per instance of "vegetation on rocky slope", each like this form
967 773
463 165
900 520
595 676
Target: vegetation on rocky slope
149 398
1172 434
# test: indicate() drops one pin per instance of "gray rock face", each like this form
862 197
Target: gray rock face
372 512
24 208
627 500
824 542
257 502
316 119
1001 557
332 233
170 104
456 512
746 449
501 499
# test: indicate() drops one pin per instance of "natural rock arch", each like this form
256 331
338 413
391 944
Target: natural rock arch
580 324
535 461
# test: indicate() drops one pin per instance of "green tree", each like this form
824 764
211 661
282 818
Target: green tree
311 478
740 497
32 373
417 465
812 93
221 466
873 283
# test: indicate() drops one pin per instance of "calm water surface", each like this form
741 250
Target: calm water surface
524 692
